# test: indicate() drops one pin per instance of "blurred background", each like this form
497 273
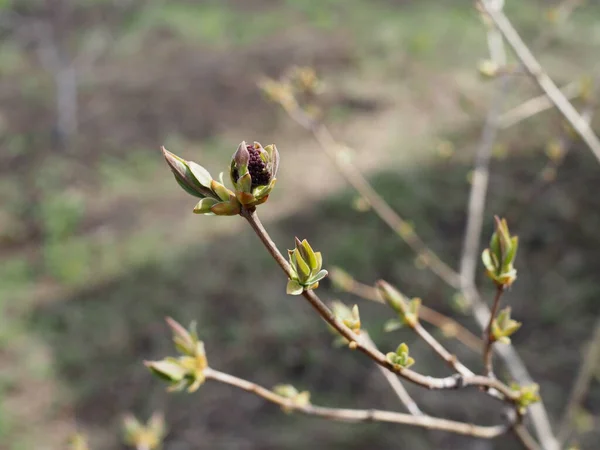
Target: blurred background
98 244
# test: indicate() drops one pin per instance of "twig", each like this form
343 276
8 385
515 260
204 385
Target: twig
452 382
489 337
589 363
534 106
516 368
525 437
360 415
395 383
447 325
479 187
536 71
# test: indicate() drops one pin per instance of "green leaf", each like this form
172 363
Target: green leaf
392 325
317 277
245 183
221 191
187 188
201 174
204 205
167 370
486 257
293 287
319 260
303 269
309 256
512 251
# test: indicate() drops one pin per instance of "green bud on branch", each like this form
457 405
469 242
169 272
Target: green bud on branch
305 265
503 326
527 395
149 436
349 317
499 257
408 310
400 357
290 392
186 371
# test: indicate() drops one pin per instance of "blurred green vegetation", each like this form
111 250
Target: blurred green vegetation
97 245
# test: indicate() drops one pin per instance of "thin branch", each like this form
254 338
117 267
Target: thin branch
392 379
535 105
447 325
489 337
479 187
516 368
360 415
525 437
542 79
452 382
589 363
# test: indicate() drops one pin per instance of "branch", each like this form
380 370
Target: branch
516 368
338 155
360 415
589 363
535 105
479 187
489 337
447 325
542 79
453 382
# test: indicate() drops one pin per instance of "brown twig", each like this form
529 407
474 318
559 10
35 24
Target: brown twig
447 325
359 415
542 79
452 382
589 363
488 335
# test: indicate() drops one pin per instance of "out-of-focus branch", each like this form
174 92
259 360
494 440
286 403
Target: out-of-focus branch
404 397
545 83
448 326
359 415
479 187
589 363
535 106
340 157
472 237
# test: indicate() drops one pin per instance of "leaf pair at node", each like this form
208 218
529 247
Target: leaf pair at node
306 268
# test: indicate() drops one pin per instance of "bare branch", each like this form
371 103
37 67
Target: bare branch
545 83
447 325
535 105
359 415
